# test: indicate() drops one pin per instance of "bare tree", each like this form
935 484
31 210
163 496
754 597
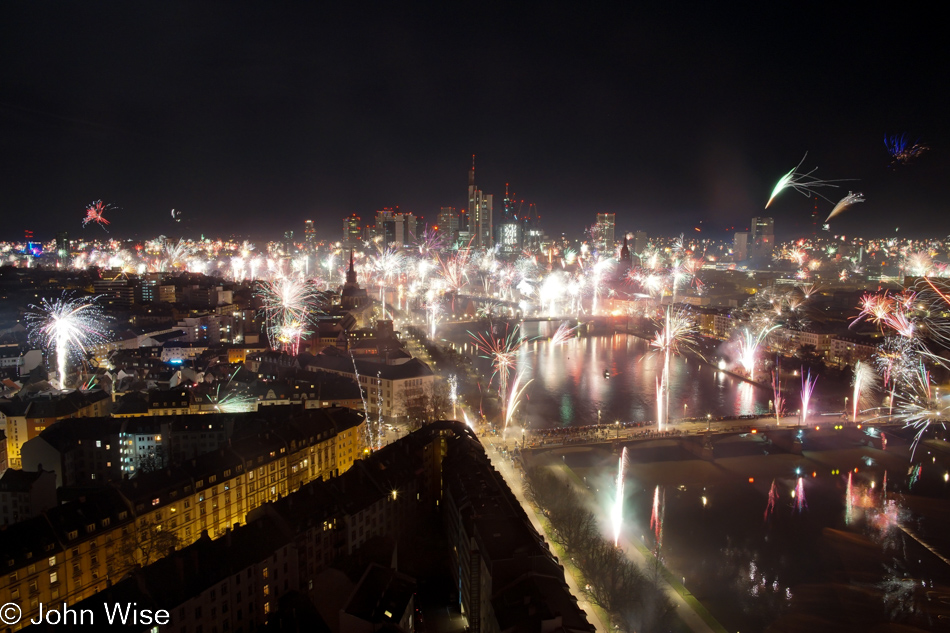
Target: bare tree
155 460
145 544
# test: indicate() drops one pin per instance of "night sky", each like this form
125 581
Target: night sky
250 119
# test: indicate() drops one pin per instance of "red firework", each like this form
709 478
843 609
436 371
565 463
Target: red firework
94 213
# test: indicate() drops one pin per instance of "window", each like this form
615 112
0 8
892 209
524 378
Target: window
53 577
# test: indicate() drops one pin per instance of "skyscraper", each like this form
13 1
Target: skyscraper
479 217
640 242
309 233
396 228
351 230
740 247
763 239
509 232
449 225
603 232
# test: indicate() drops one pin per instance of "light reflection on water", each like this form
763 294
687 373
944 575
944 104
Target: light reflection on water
570 383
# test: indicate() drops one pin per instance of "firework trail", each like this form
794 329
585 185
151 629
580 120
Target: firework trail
799 495
94 213
68 327
773 497
844 203
865 382
777 396
749 346
803 183
563 335
676 335
378 439
433 310
616 514
234 400
368 434
656 517
901 152
808 387
514 398
453 393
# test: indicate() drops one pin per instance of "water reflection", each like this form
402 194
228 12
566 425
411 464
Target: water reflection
617 375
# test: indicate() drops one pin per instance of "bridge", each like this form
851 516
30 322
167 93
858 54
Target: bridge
702 440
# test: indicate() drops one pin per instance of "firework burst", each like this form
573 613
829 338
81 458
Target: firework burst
232 398
94 214
288 307
902 152
68 327
502 352
917 406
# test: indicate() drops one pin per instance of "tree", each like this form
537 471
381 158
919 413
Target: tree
810 358
155 460
144 544
440 404
416 404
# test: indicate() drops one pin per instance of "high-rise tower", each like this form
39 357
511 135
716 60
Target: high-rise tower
479 217
763 239
603 234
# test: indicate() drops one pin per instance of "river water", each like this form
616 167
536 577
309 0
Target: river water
616 376
842 547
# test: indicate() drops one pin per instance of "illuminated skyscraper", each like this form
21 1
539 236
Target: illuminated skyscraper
309 234
603 232
509 232
351 230
396 228
449 225
479 217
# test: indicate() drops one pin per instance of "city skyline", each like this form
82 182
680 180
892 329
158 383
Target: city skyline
292 113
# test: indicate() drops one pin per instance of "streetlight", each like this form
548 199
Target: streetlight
708 420
598 417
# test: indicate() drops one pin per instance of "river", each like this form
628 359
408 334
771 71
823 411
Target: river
613 378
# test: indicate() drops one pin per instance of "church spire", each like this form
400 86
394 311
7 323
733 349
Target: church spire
351 273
